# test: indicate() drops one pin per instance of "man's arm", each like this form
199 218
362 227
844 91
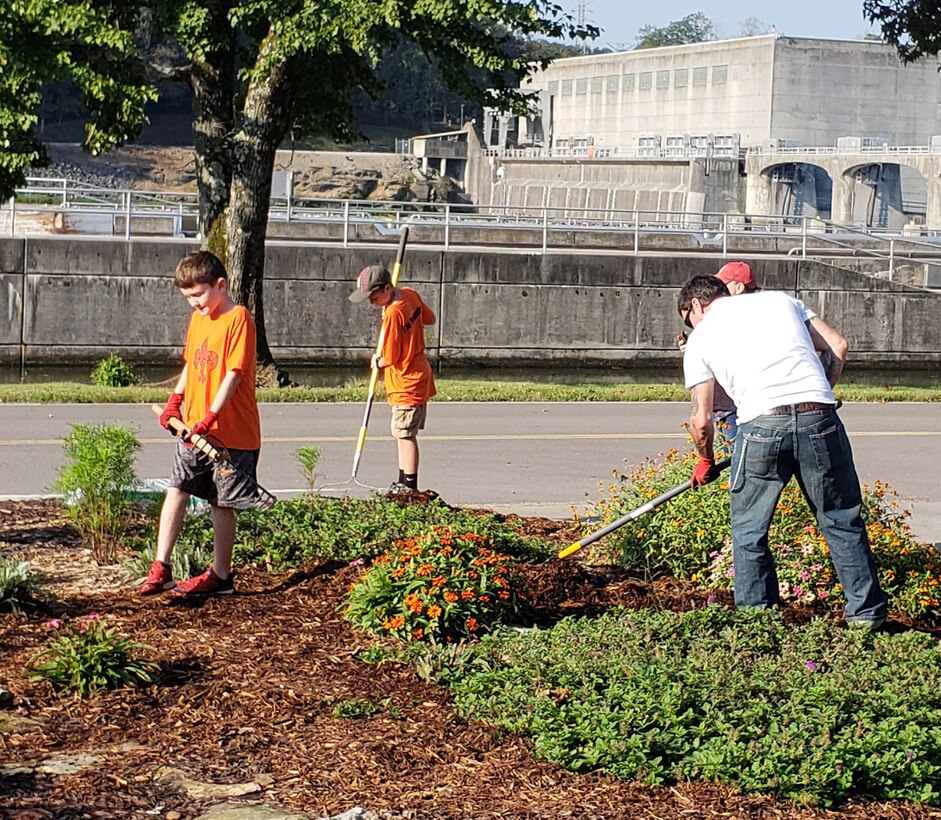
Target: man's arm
701 427
832 347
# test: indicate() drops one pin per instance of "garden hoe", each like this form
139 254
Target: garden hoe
643 509
374 375
263 499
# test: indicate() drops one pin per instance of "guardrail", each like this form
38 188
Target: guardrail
91 210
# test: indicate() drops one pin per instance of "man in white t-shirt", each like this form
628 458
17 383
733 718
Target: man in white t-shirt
764 355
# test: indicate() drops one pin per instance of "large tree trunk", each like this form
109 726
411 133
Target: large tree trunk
265 122
212 81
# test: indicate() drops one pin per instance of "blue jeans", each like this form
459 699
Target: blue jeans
813 447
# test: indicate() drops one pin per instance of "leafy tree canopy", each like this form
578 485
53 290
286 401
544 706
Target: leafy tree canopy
912 26
694 28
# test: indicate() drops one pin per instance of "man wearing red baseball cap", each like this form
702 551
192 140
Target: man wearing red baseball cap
738 278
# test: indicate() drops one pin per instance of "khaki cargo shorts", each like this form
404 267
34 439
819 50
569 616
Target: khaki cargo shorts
407 421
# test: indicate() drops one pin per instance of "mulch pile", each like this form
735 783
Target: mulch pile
246 690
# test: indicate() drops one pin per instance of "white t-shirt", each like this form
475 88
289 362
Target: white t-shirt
758 348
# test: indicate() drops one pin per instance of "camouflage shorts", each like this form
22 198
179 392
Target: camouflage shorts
218 483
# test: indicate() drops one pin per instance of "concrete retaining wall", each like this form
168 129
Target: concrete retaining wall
70 300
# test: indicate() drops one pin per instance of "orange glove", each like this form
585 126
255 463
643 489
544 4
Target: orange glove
172 411
704 473
202 427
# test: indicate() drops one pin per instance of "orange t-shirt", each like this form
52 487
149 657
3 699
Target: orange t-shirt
213 348
407 376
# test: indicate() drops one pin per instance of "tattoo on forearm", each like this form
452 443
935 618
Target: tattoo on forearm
832 366
694 402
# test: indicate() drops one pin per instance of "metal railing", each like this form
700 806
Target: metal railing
49 206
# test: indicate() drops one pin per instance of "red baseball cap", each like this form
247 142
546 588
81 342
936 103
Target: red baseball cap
737 272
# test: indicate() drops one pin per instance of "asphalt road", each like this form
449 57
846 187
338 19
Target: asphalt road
543 459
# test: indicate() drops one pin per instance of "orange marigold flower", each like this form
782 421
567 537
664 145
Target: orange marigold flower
413 603
434 611
398 572
499 581
438 581
503 594
484 599
425 569
417 634
450 596
467 594
472 624
397 621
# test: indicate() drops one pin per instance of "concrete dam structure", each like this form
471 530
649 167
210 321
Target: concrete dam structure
74 301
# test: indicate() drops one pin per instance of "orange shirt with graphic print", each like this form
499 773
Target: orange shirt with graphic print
214 347
407 376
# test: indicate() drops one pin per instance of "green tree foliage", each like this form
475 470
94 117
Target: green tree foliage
912 26
694 28
257 71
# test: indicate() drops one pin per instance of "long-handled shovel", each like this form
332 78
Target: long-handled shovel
643 509
374 375
263 499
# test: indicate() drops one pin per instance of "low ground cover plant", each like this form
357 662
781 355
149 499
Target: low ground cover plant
342 529
18 587
815 713
86 656
439 586
690 538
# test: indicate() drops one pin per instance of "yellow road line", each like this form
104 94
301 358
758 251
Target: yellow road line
494 437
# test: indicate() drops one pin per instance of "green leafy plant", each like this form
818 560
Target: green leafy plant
114 372
18 588
308 457
88 656
815 712
97 479
186 560
441 585
355 708
676 538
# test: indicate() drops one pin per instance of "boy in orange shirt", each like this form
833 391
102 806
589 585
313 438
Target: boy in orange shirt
405 369
215 398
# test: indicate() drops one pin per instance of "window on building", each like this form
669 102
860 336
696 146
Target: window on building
681 78
581 86
700 75
663 79
597 85
628 81
720 74
612 83
645 80
553 87
566 88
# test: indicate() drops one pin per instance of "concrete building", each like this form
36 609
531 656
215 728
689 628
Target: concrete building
793 91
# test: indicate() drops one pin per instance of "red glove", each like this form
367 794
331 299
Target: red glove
172 411
704 473
202 427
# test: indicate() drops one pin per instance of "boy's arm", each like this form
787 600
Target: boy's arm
427 314
227 388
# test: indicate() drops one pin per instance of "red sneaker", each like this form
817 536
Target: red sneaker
208 583
159 579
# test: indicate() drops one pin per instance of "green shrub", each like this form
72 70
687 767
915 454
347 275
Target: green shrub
114 372
355 708
816 713
97 479
88 656
677 537
442 585
18 587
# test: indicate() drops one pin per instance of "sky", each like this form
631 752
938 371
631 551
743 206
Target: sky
830 19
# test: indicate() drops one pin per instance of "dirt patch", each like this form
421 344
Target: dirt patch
246 693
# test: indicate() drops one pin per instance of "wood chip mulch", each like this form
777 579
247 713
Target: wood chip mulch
246 689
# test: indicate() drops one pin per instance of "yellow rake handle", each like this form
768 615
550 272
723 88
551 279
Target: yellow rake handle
643 509
374 375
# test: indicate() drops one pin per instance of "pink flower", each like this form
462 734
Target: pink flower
357 563
811 666
93 616
55 623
